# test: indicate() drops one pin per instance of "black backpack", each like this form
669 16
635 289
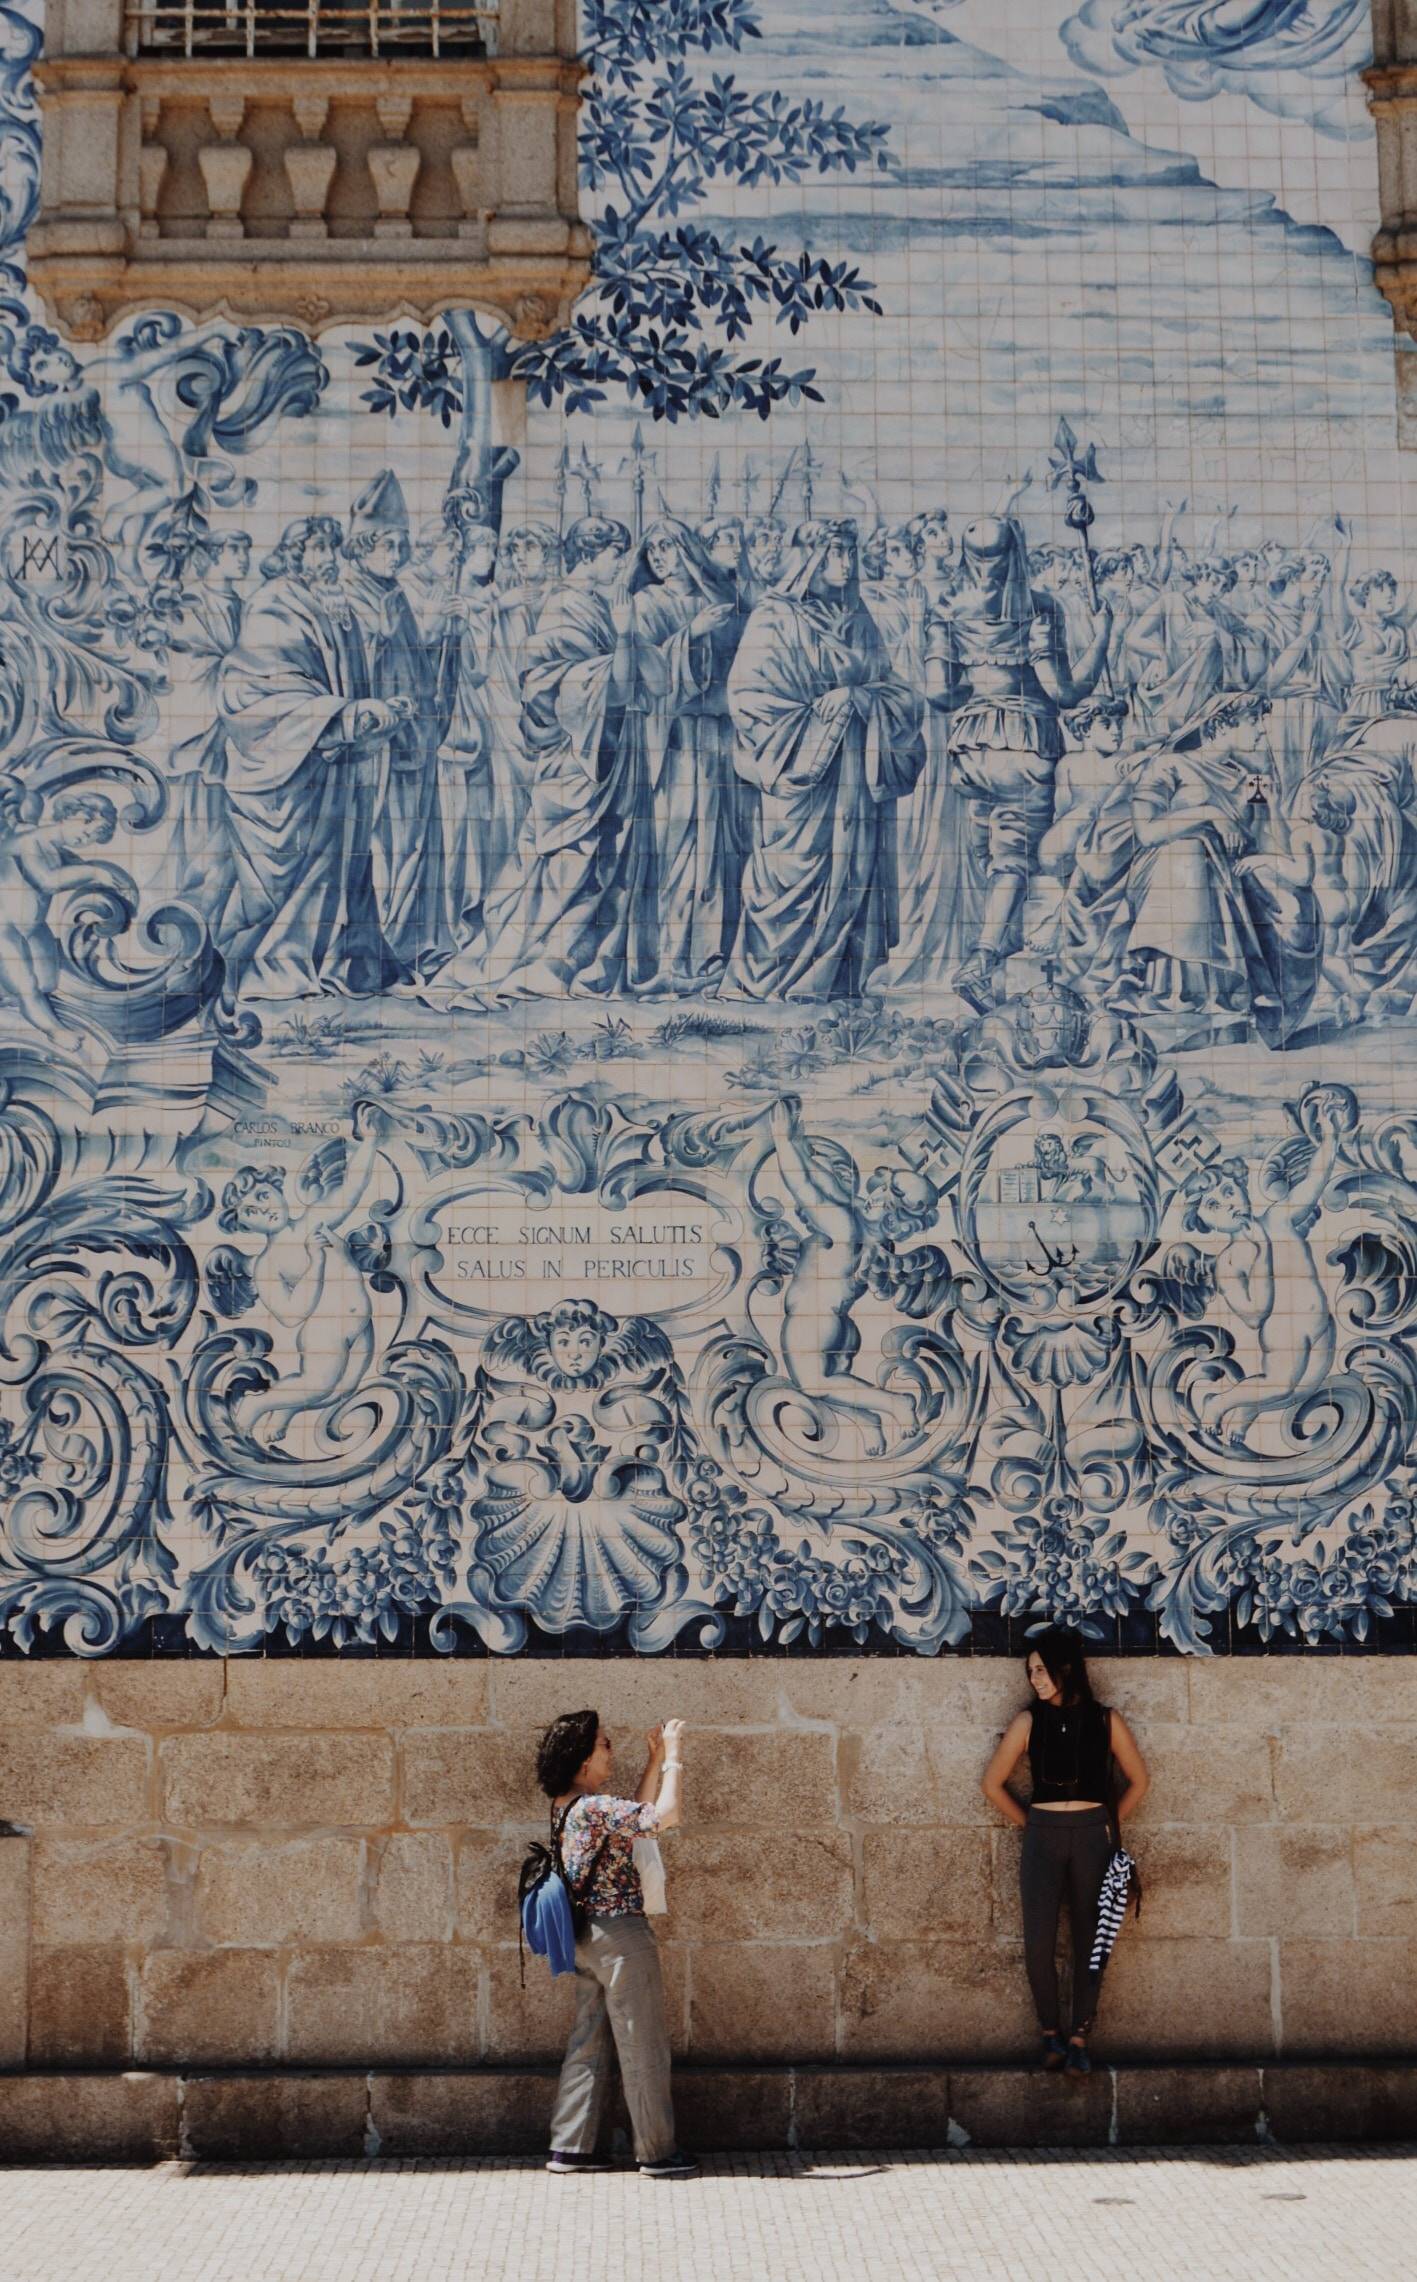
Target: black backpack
550 1912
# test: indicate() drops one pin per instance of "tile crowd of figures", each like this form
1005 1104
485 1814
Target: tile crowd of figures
758 762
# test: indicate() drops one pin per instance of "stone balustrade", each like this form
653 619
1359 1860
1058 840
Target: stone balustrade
314 188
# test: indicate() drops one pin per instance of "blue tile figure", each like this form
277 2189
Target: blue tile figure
775 1038
831 740
306 746
686 608
576 911
409 857
1006 740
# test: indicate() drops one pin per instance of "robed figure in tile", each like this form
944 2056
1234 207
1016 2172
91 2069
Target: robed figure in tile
686 607
304 745
831 738
409 855
476 765
575 912
1198 917
941 901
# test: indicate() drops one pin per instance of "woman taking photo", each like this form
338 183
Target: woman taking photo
1070 1741
619 1992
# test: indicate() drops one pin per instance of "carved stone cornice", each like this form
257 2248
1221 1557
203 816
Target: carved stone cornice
321 191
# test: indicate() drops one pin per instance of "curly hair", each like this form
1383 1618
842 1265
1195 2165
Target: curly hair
518 543
1209 566
1331 808
1362 589
572 1315
1223 713
241 1185
1082 718
95 805
564 1750
289 552
590 535
897 535
895 1206
823 530
1199 1185
359 544
474 534
25 349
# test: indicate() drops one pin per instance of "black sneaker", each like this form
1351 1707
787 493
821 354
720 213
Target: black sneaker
560 2160
674 2166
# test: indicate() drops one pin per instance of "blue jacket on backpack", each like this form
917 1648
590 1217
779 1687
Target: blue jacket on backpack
548 1925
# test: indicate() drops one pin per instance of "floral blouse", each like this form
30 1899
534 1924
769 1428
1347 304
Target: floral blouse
614 1889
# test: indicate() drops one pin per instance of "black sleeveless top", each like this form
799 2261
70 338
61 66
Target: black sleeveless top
1070 1753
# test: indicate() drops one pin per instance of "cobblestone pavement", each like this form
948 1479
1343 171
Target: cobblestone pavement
1146 2216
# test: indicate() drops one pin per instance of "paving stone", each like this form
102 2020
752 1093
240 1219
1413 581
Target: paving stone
825 2214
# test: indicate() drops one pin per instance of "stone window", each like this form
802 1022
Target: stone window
308 160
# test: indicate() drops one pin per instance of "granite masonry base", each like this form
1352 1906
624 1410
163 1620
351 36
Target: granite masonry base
153 2115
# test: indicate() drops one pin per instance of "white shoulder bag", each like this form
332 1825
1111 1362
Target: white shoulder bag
649 1862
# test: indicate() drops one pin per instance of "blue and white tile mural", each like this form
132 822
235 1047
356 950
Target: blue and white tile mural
747 980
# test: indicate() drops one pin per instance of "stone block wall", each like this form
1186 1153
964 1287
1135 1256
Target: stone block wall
312 1865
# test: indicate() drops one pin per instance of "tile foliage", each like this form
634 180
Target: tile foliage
774 1016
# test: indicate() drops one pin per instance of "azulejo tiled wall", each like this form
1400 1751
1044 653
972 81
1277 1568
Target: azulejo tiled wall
773 1010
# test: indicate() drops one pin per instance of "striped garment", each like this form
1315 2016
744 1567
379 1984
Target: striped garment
1122 1877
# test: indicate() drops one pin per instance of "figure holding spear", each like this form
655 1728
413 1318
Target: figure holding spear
1006 740
1075 467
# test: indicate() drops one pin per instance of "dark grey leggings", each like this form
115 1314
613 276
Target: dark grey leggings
1063 1854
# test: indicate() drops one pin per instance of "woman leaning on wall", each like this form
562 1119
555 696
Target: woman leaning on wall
1069 1828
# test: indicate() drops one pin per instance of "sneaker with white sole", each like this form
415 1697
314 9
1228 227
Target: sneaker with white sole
568 2164
674 2166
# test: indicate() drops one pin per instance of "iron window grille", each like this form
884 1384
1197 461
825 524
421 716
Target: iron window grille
337 29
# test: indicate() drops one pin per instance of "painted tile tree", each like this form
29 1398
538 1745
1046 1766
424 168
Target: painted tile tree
782 1035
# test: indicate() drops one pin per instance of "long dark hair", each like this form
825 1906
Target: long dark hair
1066 1665
564 1750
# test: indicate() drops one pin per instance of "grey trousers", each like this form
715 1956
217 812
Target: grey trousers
619 1995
